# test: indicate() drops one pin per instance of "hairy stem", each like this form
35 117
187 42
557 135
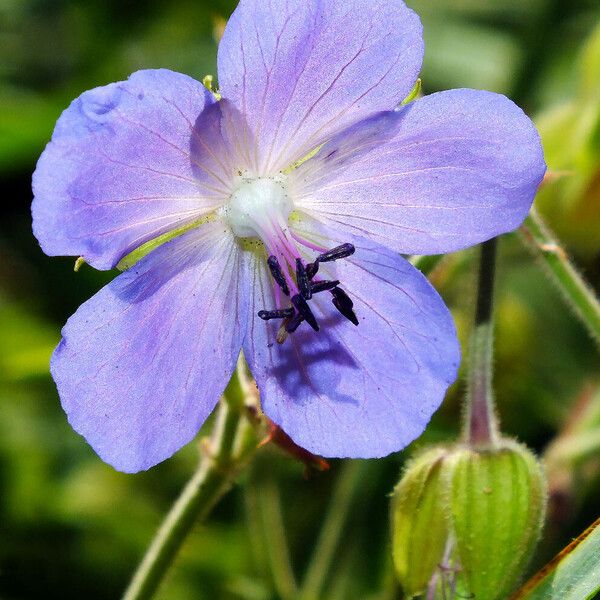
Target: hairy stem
576 292
227 450
480 421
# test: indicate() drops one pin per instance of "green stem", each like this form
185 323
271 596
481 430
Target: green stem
276 543
485 283
254 523
335 520
344 573
228 449
480 420
576 292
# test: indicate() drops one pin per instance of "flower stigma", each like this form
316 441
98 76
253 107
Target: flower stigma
256 204
260 207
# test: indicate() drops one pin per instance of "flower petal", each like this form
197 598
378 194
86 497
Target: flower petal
362 391
128 162
143 362
445 172
301 70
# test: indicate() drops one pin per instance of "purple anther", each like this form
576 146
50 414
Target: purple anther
338 252
277 274
344 304
302 307
302 280
294 323
322 286
342 297
280 313
311 269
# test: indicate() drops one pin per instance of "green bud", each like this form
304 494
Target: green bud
468 519
419 524
497 503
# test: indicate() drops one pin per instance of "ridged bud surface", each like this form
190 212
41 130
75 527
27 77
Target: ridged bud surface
419 523
468 517
496 500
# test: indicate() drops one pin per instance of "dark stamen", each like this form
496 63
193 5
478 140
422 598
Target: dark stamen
311 269
294 323
342 297
338 252
300 310
277 274
322 286
302 280
302 307
281 313
344 304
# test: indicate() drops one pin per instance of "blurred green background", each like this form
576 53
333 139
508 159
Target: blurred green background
72 527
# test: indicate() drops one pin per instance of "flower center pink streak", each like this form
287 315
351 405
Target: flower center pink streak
261 207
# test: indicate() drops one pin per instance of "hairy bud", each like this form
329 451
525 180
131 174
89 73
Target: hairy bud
419 524
467 520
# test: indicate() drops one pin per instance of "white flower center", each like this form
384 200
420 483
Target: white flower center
258 206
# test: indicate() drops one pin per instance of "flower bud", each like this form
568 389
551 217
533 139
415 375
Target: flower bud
419 524
467 519
496 502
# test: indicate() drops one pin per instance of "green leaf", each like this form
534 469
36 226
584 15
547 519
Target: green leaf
573 574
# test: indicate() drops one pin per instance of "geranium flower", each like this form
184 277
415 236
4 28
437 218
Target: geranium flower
291 199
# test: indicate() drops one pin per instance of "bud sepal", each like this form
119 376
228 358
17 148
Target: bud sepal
419 523
467 519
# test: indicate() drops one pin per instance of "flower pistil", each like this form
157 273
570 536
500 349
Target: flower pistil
260 207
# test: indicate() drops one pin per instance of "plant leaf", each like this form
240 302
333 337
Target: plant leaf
573 574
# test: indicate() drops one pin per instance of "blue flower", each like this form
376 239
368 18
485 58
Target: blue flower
291 198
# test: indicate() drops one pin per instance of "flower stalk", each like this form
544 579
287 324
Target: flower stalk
574 289
331 533
480 421
274 534
223 455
